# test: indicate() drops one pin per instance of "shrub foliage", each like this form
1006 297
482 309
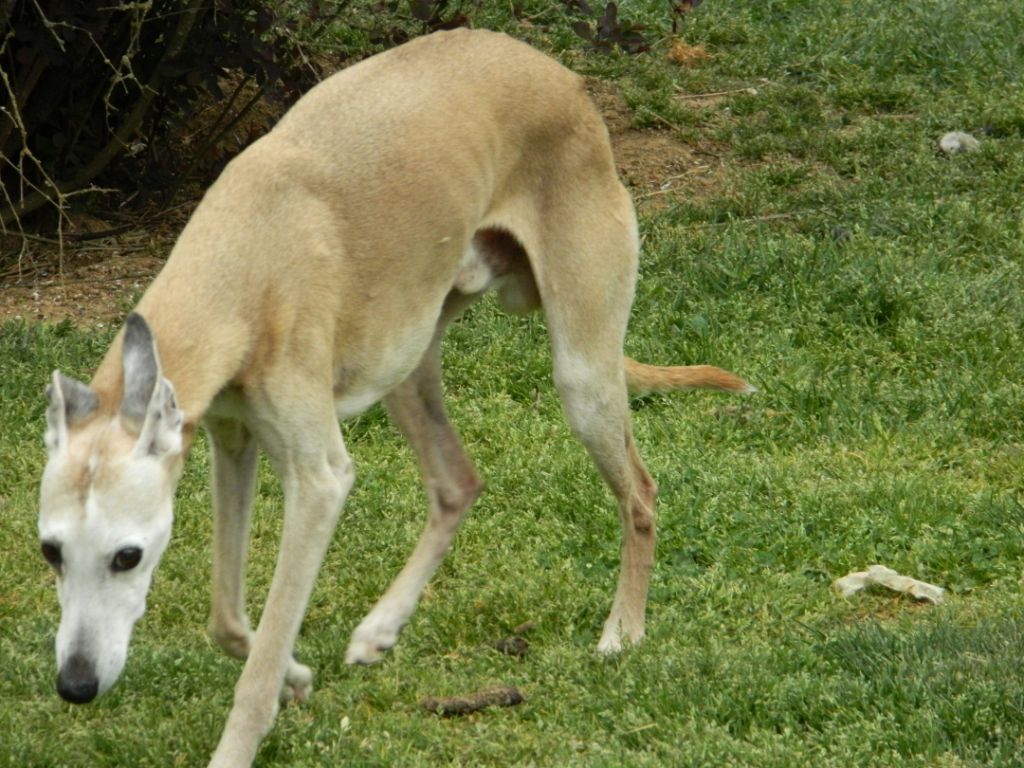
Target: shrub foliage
90 91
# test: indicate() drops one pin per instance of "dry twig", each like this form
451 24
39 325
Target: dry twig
502 696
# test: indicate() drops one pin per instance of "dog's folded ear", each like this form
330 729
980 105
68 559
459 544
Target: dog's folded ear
161 430
70 401
148 406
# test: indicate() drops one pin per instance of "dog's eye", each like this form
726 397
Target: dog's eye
52 554
126 559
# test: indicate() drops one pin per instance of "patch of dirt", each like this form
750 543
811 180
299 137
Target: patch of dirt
686 55
95 279
89 294
654 164
95 282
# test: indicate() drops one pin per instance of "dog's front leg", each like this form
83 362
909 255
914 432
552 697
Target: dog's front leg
234 459
315 485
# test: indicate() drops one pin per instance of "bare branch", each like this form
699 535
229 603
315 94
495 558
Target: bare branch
118 142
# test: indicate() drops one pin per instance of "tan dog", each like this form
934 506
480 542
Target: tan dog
315 279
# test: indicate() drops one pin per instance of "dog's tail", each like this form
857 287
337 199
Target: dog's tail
644 379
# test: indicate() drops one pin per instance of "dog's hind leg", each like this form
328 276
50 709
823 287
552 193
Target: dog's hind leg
451 484
587 304
234 457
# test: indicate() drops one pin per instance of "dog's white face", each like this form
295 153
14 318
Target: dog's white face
106 512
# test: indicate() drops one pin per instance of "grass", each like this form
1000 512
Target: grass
867 284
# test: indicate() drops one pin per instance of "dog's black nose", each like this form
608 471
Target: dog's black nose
77 681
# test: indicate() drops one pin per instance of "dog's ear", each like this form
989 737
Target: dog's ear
141 369
70 401
161 430
148 405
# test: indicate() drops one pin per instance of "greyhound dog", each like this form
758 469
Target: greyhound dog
316 278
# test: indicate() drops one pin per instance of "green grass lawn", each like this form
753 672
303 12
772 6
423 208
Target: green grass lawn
867 284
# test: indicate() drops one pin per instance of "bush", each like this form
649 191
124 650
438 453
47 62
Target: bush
92 90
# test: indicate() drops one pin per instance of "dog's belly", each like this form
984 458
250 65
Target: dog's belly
355 403
364 377
388 364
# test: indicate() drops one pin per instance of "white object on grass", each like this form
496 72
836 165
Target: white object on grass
955 142
887 577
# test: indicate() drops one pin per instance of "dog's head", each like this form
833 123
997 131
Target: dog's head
106 509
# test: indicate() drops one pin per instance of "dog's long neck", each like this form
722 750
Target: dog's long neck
199 354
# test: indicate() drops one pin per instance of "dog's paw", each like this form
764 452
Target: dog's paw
232 634
368 644
298 683
610 644
615 636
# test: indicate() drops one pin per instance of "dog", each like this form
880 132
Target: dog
316 278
